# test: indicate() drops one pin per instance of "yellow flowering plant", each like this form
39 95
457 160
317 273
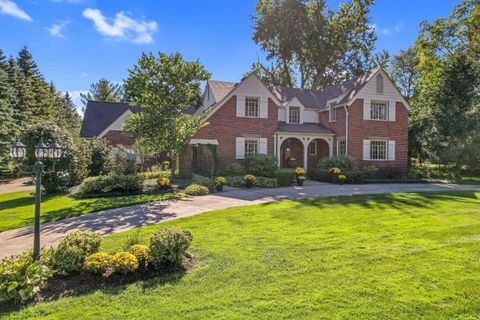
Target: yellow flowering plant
335 170
299 171
163 182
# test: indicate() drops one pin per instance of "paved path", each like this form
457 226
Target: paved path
122 219
15 185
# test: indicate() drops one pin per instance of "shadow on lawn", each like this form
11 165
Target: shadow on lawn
16 203
402 202
84 283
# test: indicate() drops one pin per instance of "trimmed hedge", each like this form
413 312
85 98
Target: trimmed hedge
261 165
263 182
284 176
131 183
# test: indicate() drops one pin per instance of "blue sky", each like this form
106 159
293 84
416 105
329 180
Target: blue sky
76 42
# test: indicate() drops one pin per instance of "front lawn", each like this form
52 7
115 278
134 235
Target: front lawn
17 208
394 256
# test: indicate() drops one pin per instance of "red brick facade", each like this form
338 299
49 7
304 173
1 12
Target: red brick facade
122 138
225 126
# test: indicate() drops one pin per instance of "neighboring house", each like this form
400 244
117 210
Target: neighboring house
365 117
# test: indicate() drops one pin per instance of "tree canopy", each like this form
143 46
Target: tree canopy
103 90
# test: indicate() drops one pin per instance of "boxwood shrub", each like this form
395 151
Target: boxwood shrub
284 176
167 246
261 165
263 182
113 183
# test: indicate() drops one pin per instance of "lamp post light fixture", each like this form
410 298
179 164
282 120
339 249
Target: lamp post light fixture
42 152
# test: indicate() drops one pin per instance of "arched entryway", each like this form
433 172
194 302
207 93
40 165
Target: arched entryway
317 150
291 153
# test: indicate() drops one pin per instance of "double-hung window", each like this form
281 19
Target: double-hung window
294 114
251 146
252 107
378 150
379 110
312 148
333 114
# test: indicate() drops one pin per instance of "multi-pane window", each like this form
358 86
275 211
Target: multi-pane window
251 146
341 147
333 114
378 150
252 107
379 110
294 115
312 148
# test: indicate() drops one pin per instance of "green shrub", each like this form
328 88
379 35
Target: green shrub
203 181
124 262
234 169
235 181
348 165
141 252
98 263
196 190
21 278
70 254
261 165
167 246
124 163
155 174
101 157
345 163
284 176
318 174
263 182
131 240
111 183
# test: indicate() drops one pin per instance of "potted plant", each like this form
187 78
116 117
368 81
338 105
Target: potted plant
342 178
166 165
249 179
300 180
219 182
299 171
335 172
163 183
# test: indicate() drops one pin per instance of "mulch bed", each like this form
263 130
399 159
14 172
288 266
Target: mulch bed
84 282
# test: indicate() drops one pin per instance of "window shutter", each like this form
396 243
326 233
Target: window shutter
366 149
366 109
264 107
240 106
391 150
240 148
391 110
263 146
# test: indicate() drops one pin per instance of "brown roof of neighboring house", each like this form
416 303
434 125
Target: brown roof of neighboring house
316 99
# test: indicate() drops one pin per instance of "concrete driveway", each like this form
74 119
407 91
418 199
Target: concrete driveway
121 219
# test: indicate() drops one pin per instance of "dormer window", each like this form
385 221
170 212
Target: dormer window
379 84
294 115
252 107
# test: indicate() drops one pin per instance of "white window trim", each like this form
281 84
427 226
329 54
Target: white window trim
338 147
386 150
331 113
387 109
258 107
299 114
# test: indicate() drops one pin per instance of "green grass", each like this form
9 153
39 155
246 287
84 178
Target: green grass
17 208
394 256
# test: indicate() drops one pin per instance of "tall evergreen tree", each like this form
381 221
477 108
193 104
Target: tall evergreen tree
68 112
103 90
8 127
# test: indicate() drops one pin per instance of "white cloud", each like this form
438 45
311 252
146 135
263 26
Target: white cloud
122 27
11 8
69 1
57 29
387 31
84 74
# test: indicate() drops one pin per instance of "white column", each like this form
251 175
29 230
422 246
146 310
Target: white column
279 144
330 147
305 153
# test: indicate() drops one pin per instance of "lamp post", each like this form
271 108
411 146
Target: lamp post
42 152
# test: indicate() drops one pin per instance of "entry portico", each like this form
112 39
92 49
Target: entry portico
307 142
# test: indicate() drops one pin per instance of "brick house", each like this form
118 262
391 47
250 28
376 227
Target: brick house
365 117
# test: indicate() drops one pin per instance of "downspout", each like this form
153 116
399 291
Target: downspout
346 129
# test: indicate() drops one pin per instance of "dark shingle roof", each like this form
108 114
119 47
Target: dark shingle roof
303 128
318 98
99 115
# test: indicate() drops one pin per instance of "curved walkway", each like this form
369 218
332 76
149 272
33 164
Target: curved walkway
121 219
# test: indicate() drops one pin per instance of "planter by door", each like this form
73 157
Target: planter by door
249 184
334 179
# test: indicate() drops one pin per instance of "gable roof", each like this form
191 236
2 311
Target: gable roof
316 99
99 115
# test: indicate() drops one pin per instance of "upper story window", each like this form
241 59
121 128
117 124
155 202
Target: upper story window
251 146
252 106
294 114
333 114
379 110
379 84
378 150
